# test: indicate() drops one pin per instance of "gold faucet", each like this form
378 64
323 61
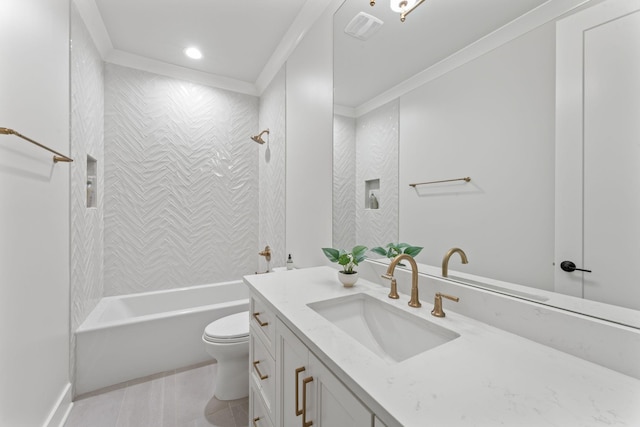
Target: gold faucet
413 302
445 260
437 304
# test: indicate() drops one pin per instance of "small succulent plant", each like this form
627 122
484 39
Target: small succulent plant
348 260
394 249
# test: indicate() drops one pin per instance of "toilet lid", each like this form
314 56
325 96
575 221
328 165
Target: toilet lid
230 328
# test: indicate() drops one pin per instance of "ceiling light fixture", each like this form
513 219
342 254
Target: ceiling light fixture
403 7
193 53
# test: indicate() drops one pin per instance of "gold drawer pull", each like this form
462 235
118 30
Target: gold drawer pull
255 366
260 322
298 410
255 421
305 423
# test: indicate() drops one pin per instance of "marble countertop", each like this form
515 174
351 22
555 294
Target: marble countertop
485 377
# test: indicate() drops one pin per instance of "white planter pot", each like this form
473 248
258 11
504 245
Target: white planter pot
348 280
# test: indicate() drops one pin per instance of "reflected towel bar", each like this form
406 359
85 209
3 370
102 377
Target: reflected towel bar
57 158
467 179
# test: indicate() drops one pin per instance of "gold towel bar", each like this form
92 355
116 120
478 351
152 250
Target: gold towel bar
467 179
57 158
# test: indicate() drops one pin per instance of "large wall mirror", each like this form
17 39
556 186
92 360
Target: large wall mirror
488 90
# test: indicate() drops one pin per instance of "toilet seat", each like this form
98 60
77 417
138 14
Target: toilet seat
229 329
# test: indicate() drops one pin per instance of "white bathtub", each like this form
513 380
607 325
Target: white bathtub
132 336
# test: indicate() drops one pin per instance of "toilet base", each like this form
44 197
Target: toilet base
232 379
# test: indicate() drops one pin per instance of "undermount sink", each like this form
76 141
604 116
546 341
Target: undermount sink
391 333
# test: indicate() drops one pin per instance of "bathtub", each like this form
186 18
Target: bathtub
132 336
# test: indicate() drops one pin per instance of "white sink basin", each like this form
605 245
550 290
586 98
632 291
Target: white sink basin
388 331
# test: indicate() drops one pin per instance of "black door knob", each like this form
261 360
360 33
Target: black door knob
570 266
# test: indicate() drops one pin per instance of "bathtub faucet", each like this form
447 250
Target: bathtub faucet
266 253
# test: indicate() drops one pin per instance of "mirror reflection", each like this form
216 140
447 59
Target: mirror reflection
490 92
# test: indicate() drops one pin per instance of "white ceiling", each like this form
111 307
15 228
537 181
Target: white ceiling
399 50
236 37
245 42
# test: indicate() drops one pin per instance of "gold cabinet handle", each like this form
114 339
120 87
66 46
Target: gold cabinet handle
255 367
260 322
298 410
255 421
305 423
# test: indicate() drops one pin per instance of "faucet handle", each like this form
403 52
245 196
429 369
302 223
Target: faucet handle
437 304
393 293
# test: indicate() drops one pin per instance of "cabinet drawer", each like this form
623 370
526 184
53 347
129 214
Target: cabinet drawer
264 322
263 372
259 414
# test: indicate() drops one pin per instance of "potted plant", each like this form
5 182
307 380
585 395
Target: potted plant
394 249
348 260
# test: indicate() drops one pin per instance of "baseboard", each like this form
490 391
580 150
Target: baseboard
60 412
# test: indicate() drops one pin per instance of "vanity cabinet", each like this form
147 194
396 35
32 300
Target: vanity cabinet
289 385
308 393
262 376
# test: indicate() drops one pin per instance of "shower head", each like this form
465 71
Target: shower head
258 138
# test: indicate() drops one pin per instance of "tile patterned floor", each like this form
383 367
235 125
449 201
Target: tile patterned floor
181 398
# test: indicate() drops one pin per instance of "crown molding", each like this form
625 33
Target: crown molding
547 12
95 25
125 59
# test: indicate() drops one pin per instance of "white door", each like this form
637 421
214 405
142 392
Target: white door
598 153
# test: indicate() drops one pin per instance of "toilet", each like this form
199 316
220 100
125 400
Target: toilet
227 341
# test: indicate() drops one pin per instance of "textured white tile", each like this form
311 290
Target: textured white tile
377 158
181 196
344 182
87 127
272 172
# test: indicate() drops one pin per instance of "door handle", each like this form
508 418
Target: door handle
569 266
260 375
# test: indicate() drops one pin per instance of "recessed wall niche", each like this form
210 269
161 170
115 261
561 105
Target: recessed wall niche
92 182
372 194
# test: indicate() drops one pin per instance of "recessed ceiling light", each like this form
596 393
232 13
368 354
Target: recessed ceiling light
193 53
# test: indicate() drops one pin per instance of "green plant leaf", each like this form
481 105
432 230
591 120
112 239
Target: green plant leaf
359 254
344 259
403 245
380 251
332 254
412 250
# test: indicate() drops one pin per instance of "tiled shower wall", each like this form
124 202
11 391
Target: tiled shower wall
366 148
181 183
87 126
344 182
272 172
377 158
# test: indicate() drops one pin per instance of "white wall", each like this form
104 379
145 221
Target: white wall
34 212
491 119
309 144
181 183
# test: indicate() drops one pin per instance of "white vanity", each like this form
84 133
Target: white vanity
313 361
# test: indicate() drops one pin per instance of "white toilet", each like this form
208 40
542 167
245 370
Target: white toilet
227 341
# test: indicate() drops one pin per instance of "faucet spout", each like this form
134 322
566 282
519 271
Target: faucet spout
445 260
414 301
